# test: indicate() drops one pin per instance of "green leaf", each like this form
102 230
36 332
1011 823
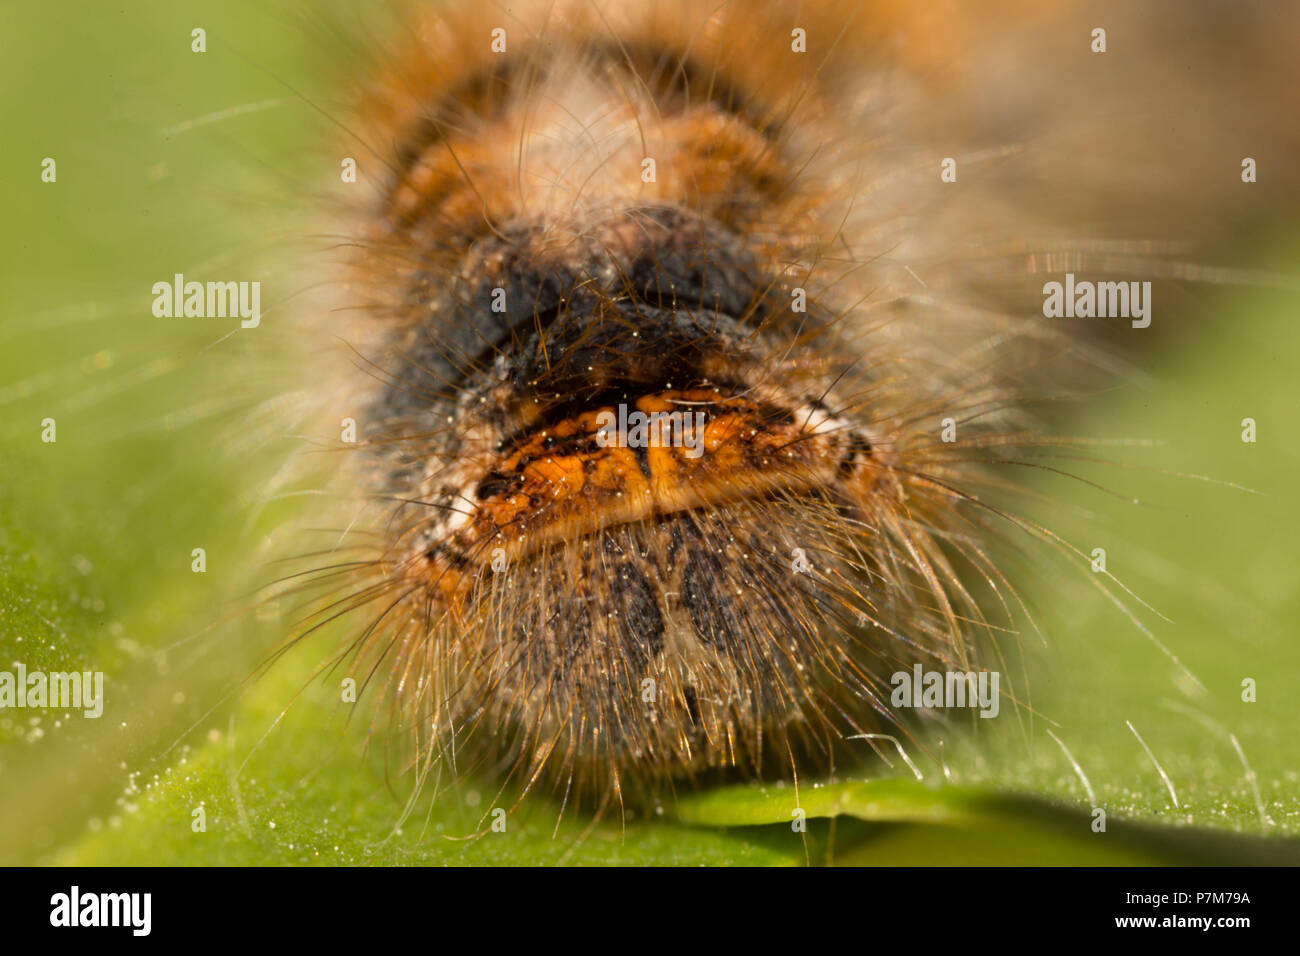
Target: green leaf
950 824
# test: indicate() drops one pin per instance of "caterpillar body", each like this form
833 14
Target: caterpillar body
580 212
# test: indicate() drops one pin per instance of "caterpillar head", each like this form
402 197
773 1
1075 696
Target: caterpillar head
671 497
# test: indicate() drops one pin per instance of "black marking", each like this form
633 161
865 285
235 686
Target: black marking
568 618
443 551
692 705
640 621
711 608
495 484
859 447
642 456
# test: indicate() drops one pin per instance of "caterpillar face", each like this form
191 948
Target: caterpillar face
641 588
621 399
584 402
682 379
605 220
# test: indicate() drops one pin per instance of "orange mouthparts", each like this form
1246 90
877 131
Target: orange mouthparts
671 451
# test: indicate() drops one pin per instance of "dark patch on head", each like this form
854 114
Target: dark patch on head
640 622
681 532
713 611
444 552
554 634
606 348
642 301
692 705
859 449
675 541
495 484
642 456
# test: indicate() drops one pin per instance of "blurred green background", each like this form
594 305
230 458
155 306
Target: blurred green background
171 161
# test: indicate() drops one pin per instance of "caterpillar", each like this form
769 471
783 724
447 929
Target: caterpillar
732 216
617 398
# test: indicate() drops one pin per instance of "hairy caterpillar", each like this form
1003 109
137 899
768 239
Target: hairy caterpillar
577 210
838 260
